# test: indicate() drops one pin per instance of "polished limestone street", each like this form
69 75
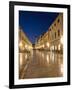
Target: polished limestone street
40 64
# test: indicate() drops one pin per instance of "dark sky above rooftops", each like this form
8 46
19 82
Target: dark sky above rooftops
35 23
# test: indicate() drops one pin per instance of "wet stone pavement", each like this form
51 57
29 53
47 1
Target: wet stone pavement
40 64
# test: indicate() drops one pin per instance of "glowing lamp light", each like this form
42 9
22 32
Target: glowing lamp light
47 44
25 46
59 47
20 44
43 46
61 40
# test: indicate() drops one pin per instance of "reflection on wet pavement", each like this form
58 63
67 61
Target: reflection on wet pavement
40 64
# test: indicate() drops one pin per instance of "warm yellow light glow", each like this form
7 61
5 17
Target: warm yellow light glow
25 46
29 47
47 57
55 47
59 47
43 46
39 47
26 56
20 44
47 44
61 68
61 40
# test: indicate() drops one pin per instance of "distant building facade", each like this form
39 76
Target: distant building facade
24 43
53 38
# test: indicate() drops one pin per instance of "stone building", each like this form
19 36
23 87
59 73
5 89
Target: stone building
53 38
24 43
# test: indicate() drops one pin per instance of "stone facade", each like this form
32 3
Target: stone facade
24 43
53 38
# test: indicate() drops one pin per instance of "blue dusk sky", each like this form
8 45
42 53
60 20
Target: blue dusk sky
35 23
